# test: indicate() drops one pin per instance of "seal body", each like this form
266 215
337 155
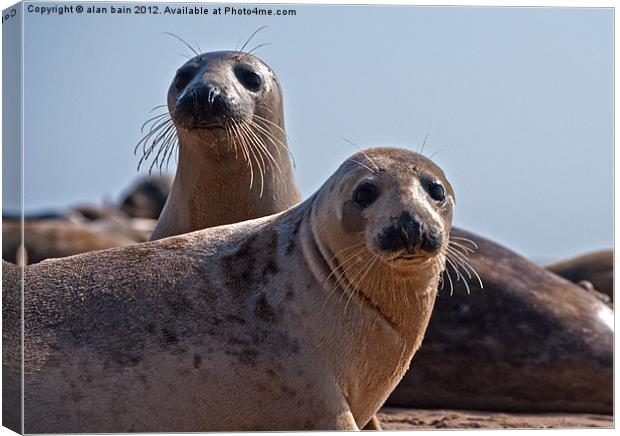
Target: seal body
85 227
45 239
529 341
596 268
302 320
234 162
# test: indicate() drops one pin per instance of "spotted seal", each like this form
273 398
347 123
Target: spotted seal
306 319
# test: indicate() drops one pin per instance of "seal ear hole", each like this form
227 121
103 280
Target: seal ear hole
248 78
365 194
435 190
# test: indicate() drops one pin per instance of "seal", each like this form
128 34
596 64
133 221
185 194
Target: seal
225 110
596 268
11 347
53 238
146 197
529 341
306 319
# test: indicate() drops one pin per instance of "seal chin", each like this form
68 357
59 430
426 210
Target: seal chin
206 126
405 259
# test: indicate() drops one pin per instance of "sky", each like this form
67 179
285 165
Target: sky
516 105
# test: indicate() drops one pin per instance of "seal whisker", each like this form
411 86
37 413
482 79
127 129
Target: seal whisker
362 165
271 136
251 36
159 140
466 265
340 271
352 279
247 153
424 141
257 155
363 152
371 263
183 41
460 238
155 142
345 260
153 119
229 137
256 48
271 123
159 106
447 272
266 128
461 246
261 145
244 139
153 130
456 270
163 124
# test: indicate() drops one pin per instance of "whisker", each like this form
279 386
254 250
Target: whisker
378 170
257 47
362 165
183 41
251 36
460 238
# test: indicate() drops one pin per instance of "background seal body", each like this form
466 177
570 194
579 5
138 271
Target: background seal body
234 162
596 268
530 341
264 324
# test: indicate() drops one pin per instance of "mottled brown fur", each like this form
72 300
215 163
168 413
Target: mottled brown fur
112 337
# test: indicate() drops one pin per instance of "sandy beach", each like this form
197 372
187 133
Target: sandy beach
393 418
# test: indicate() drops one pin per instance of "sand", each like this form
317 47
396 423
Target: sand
406 419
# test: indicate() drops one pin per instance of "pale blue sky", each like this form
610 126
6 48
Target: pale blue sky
518 102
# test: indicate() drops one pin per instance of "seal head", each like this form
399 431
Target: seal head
213 94
393 217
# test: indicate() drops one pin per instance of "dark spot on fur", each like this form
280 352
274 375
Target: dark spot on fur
236 319
290 392
216 320
150 328
169 336
247 356
178 303
238 267
271 268
264 311
197 361
271 372
290 294
290 246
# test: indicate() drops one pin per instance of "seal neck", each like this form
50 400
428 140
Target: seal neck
213 189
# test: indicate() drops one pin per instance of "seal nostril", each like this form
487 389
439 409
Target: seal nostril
212 93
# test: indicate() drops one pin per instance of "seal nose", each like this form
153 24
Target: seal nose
207 96
408 233
203 103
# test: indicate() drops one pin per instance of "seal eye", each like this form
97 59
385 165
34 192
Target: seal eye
436 191
248 78
365 194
